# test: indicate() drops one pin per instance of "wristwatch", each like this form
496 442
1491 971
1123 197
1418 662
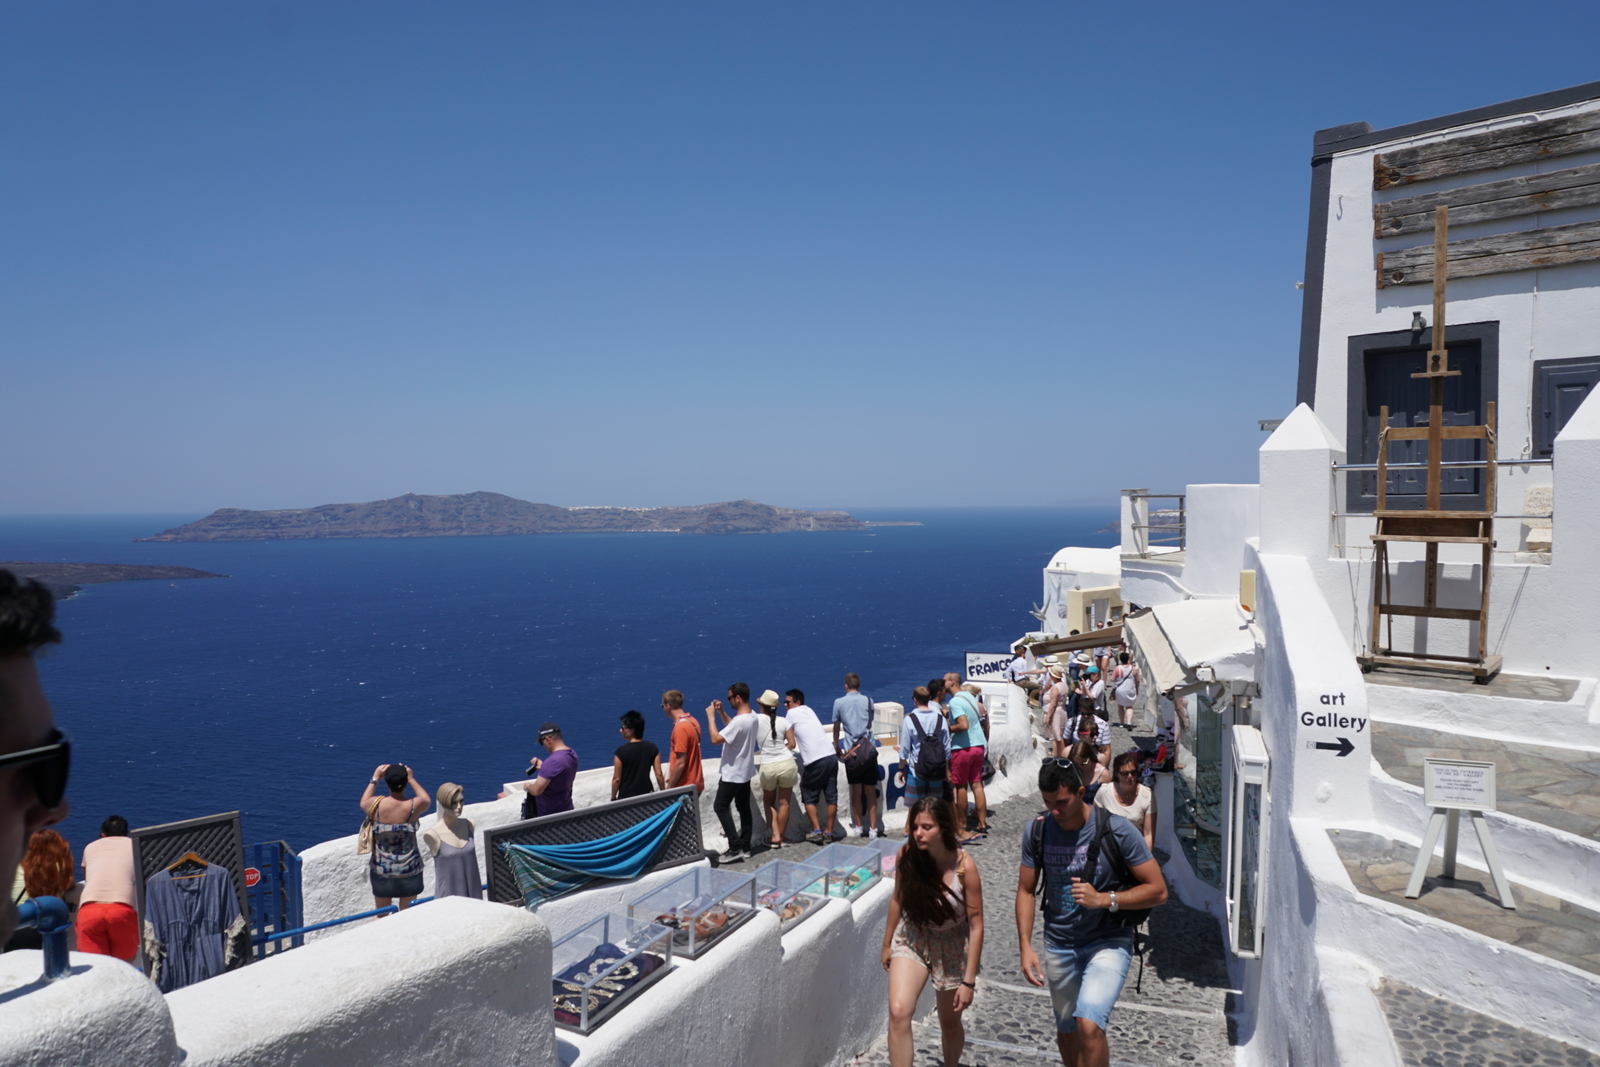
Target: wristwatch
1113 900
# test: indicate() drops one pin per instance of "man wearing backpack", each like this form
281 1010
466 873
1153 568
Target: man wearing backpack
1098 881
924 751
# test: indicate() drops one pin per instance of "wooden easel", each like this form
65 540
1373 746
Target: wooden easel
1433 526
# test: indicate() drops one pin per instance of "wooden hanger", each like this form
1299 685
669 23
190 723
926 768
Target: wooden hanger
189 865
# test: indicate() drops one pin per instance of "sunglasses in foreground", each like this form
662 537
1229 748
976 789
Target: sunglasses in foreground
46 766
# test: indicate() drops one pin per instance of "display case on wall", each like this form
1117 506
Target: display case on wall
848 870
1247 842
791 891
603 964
889 847
702 906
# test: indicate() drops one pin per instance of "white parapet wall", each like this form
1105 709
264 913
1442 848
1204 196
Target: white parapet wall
457 982
104 1014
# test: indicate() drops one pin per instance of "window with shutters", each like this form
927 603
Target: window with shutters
1559 386
1381 369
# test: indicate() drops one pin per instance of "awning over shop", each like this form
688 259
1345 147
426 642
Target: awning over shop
1157 664
1093 639
1183 645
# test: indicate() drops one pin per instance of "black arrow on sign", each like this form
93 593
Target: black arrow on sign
1344 747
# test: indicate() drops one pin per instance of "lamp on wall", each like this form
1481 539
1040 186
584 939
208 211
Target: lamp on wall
1418 323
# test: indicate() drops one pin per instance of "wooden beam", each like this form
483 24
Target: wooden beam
1489 150
1574 187
1425 538
1464 614
1553 246
1449 433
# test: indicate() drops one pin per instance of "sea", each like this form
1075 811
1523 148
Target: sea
277 690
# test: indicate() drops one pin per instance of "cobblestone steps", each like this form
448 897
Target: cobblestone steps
1432 1032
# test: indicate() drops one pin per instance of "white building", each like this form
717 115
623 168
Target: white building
1298 819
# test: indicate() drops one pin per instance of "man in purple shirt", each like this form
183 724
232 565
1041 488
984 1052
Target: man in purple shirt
552 789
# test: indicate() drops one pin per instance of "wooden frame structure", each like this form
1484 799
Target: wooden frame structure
1432 525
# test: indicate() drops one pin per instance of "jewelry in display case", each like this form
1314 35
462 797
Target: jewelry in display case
848 870
599 966
790 890
701 906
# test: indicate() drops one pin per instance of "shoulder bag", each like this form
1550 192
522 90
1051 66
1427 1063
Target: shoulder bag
364 835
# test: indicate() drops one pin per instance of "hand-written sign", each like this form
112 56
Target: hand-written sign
1463 784
987 666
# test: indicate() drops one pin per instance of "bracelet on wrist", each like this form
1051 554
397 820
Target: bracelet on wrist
970 985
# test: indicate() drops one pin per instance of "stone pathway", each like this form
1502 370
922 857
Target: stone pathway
1559 929
1554 786
1436 1033
1520 686
1177 1019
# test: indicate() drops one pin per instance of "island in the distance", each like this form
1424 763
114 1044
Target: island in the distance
64 579
494 514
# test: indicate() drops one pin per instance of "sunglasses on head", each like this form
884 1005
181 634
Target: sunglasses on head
46 766
1067 765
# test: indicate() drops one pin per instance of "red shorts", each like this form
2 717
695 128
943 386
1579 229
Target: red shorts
966 765
109 928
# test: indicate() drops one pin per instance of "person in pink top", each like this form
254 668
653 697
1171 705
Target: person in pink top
107 923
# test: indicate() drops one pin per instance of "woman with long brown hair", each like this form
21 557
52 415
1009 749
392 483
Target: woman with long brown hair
934 930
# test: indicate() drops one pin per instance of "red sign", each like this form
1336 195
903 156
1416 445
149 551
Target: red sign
251 877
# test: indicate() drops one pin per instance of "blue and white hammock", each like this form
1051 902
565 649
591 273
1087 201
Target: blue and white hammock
545 872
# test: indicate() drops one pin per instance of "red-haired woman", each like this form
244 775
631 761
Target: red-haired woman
934 930
47 871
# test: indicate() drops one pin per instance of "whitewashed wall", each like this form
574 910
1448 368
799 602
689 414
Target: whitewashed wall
106 1014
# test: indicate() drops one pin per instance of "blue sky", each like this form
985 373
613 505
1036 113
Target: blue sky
823 254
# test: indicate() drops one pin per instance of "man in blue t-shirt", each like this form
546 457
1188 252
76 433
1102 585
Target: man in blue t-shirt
852 727
1086 954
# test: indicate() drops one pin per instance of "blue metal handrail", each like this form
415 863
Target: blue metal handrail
51 917
387 909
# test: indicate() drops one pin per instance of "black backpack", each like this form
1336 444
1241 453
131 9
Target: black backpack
1121 876
933 754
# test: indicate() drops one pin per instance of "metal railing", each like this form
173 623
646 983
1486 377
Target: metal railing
1148 534
297 935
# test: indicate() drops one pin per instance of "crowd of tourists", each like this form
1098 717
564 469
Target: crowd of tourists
1087 858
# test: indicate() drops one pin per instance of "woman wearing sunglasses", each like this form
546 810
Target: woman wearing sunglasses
1129 798
33 754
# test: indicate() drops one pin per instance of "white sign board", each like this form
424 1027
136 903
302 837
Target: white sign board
1465 785
987 666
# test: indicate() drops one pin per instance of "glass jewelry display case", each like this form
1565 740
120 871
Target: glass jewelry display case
889 848
790 890
604 963
701 906
848 870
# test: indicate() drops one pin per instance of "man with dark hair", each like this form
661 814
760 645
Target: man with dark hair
33 753
819 767
552 789
852 718
106 921
738 740
1069 853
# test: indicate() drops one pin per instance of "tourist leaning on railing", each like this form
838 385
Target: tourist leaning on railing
107 922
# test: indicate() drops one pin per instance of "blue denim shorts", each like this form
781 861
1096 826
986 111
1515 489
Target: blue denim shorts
1085 980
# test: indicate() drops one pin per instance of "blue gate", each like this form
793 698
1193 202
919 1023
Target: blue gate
272 883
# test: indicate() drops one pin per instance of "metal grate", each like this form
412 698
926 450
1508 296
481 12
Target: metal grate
589 824
214 838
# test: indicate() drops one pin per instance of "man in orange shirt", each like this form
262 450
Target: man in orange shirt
684 768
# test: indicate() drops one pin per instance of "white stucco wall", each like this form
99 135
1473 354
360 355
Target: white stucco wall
1218 520
104 1014
457 981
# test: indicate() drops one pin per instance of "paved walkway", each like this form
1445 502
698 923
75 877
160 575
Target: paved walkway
1176 1020
1554 786
1436 1033
1555 928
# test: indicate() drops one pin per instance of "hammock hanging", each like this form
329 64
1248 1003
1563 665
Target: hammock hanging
544 872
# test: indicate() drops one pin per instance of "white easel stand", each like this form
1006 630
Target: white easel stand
1449 820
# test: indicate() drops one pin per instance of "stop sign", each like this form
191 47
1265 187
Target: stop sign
251 877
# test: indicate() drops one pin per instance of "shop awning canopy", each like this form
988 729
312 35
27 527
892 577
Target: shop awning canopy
1110 635
1194 641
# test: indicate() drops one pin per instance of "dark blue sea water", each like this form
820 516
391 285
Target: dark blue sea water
278 689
